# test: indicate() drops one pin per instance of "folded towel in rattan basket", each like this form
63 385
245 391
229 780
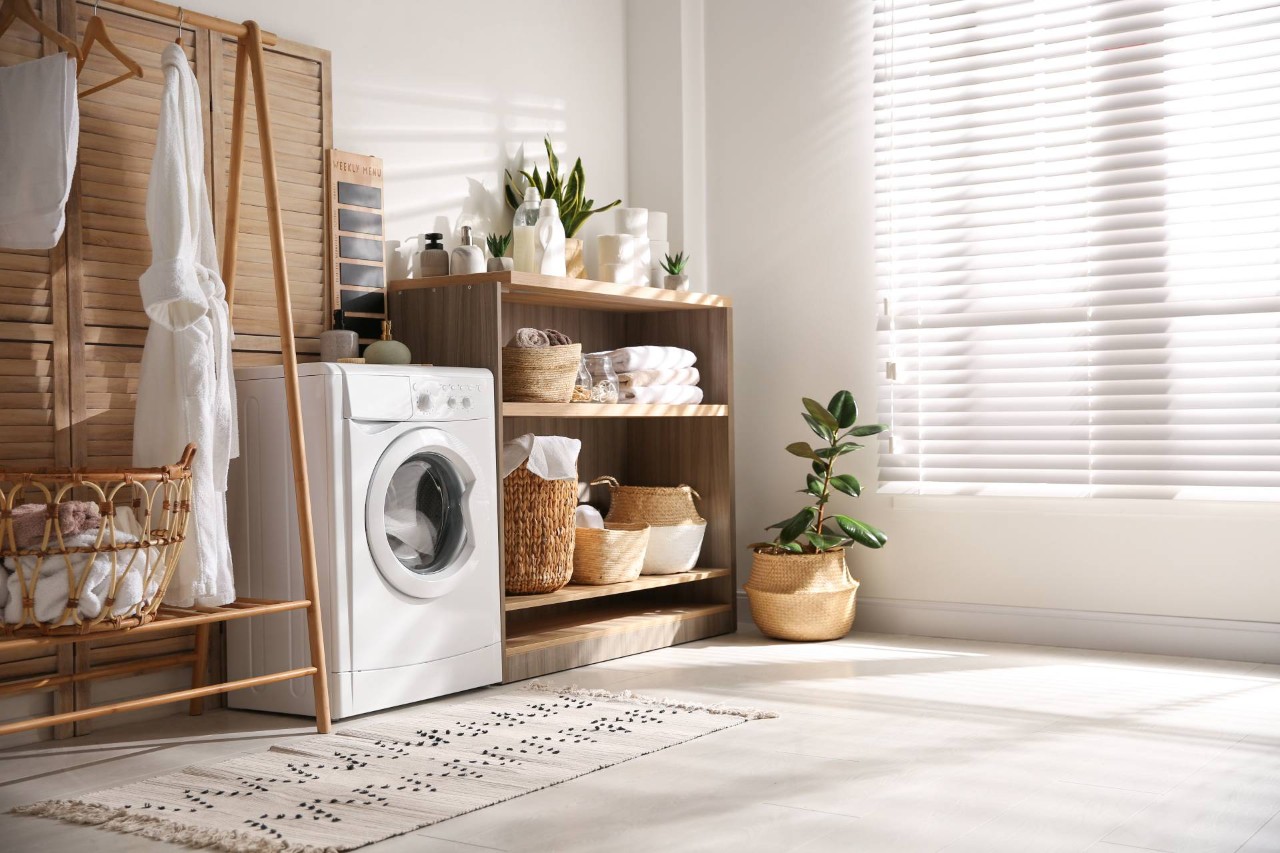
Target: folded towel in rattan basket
53 583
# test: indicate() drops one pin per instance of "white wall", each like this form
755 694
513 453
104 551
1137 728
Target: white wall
446 93
789 142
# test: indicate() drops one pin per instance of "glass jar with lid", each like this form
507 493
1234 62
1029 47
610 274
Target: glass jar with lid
603 378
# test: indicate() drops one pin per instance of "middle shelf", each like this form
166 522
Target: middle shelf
611 410
579 592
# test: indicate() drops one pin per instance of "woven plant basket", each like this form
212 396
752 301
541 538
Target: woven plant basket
540 374
538 531
64 588
803 597
612 555
676 530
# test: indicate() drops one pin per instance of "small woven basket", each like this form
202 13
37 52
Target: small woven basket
75 589
538 531
540 374
676 530
612 555
803 597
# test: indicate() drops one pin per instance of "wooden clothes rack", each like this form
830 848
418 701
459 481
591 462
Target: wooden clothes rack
250 63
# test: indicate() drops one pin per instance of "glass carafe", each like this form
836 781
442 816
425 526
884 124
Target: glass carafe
604 381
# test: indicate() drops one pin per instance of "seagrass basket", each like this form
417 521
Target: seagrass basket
676 530
87 550
614 554
540 374
538 531
805 597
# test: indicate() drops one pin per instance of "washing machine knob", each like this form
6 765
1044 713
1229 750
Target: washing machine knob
466 402
424 401
453 401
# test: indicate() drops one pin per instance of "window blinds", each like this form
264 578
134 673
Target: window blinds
1078 247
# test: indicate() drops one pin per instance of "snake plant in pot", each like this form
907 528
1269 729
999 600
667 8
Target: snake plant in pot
569 192
800 586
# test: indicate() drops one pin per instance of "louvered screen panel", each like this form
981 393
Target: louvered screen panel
117 142
33 398
300 130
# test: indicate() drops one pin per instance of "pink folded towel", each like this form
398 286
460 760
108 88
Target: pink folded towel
74 517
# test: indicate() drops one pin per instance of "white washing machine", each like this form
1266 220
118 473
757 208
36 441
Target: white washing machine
401 462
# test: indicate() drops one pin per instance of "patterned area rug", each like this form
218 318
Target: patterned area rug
361 785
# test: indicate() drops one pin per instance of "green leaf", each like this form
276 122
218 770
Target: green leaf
848 484
820 429
820 469
861 532
801 449
551 156
797 525
813 485
822 542
838 450
844 409
869 429
819 411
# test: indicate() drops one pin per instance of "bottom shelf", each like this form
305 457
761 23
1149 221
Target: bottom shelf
574 639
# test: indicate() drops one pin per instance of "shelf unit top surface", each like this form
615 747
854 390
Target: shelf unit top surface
533 289
611 410
579 592
564 630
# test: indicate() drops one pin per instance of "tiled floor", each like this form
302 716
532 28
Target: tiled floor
883 743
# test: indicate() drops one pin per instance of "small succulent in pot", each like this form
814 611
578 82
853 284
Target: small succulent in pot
800 586
676 278
498 244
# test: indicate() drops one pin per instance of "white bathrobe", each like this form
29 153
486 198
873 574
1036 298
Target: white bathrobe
186 391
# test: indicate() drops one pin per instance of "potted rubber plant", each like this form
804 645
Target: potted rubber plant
801 587
569 192
676 278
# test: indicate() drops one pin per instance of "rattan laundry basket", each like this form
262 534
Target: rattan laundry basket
614 554
540 374
802 596
102 577
676 530
538 531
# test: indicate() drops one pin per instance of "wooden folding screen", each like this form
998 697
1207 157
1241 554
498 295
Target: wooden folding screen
71 320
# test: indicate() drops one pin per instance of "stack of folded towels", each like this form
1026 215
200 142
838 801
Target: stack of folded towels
654 374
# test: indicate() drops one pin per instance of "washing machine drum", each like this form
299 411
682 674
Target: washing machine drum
418 514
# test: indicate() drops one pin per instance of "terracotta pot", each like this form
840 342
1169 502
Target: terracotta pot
574 265
802 596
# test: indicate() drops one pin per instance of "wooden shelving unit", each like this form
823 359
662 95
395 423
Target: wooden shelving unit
465 320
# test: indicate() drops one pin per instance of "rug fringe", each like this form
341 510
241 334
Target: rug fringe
127 822
628 696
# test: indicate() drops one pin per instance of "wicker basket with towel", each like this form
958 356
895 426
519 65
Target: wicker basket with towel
540 494
676 530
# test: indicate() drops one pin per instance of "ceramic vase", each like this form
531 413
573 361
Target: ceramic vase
500 265
676 282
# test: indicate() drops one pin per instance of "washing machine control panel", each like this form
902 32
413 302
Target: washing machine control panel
439 401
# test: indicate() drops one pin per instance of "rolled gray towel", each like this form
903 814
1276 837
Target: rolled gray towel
529 339
557 339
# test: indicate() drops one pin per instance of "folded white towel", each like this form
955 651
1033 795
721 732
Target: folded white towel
661 376
631 359
52 585
39 134
669 395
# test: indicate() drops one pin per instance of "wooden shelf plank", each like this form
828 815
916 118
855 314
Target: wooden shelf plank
578 592
570 629
532 289
611 410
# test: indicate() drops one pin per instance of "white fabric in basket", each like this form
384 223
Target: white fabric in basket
551 457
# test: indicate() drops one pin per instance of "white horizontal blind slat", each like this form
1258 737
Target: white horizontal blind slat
1078 247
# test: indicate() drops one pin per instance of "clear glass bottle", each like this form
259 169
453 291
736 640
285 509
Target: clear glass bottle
524 240
604 381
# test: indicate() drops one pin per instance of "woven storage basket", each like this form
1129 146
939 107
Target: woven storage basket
91 577
540 374
612 555
538 531
802 596
676 530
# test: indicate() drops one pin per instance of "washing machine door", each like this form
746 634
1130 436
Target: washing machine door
419 515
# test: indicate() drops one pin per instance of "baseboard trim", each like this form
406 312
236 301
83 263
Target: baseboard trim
1183 636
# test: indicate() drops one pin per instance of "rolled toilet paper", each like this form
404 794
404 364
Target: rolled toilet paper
658 249
642 262
617 273
615 249
657 225
633 221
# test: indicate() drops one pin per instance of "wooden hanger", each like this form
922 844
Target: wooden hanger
20 10
96 31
